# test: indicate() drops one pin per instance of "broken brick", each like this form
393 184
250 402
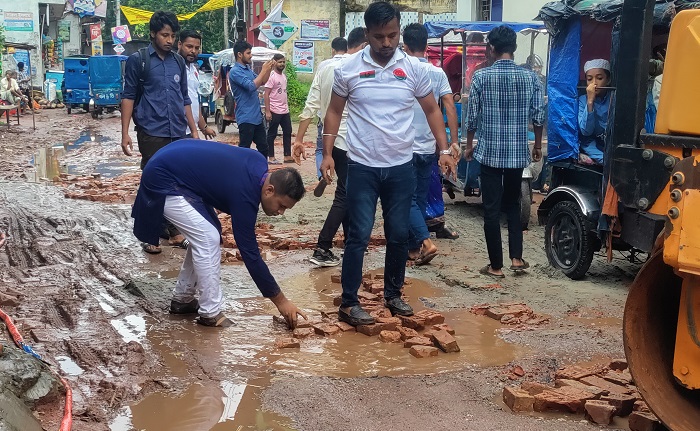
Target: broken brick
624 404
604 384
344 327
644 421
337 300
335 278
445 341
423 351
479 310
517 310
517 399
39 335
412 322
326 329
303 332
331 313
599 412
444 327
417 341
619 378
518 371
390 320
564 399
534 388
431 317
377 289
618 364
390 336
287 343
574 372
381 312
369 330
379 276
641 406
596 391
371 297
407 333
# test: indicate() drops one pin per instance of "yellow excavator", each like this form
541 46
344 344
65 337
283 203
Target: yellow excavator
662 312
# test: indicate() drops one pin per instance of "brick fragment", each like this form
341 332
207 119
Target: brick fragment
517 310
431 317
344 327
618 378
39 335
534 388
407 333
377 289
575 372
412 322
331 313
641 406
337 301
369 330
518 371
390 320
379 312
335 278
596 391
287 343
417 341
618 364
379 276
390 337
517 399
423 351
444 327
303 332
644 421
326 329
565 399
445 342
370 297
624 404
604 384
599 412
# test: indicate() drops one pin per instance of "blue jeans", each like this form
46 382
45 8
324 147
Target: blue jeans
319 149
418 230
364 186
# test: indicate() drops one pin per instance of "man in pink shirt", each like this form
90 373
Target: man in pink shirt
277 111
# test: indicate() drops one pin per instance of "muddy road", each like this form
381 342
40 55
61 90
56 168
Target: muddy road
94 306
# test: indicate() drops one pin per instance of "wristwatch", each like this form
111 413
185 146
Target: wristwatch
445 152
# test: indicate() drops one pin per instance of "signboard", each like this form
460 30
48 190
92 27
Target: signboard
315 29
278 32
97 47
84 7
18 21
121 34
119 48
303 56
95 33
64 30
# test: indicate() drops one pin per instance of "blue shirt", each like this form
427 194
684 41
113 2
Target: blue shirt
210 176
503 99
245 92
592 125
161 109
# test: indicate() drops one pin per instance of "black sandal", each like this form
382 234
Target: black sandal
445 233
485 271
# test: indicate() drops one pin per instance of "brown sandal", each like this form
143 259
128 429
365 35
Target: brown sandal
218 320
151 249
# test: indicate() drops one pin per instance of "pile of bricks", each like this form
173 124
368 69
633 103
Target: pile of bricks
510 313
121 189
598 392
425 333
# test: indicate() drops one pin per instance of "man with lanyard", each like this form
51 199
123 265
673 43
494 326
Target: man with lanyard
415 42
157 99
189 47
186 182
244 84
379 85
316 105
503 98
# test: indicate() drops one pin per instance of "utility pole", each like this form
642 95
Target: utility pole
226 25
118 11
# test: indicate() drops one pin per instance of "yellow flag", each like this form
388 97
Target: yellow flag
140 16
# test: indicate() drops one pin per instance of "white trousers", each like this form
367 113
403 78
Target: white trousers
202 266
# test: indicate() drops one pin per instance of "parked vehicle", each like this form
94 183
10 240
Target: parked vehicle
207 103
459 60
75 87
106 83
221 63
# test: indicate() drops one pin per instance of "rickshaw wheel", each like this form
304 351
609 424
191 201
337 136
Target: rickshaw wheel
94 114
525 202
68 109
568 241
220 124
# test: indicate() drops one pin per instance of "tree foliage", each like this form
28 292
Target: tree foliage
296 90
209 24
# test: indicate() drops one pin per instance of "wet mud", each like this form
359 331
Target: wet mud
95 307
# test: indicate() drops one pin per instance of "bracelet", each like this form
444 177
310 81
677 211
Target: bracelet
329 134
445 152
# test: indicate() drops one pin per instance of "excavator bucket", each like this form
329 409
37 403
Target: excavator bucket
650 330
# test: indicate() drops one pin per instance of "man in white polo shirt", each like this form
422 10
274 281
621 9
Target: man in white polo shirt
189 47
380 85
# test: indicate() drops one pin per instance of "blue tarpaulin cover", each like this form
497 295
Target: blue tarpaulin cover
106 71
439 28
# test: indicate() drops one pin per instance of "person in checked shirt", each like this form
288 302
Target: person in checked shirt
503 99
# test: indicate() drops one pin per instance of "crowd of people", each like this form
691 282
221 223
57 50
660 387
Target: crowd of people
381 137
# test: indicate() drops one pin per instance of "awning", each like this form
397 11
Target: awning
19 46
439 28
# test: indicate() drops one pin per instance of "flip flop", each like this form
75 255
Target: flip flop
522 267
184 244
151 249
274 162
425 259
485 271
445 233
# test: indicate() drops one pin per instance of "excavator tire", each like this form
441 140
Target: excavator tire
649 333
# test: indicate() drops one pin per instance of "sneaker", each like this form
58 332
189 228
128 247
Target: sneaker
184 307
218 320
323 257
318 191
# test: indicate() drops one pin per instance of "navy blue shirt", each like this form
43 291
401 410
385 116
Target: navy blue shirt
161 109
246 94
209 176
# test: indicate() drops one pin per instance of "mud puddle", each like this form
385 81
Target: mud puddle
245 358
48 162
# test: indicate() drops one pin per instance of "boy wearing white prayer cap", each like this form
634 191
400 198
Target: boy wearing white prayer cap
593 111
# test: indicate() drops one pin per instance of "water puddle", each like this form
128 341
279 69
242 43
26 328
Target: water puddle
247 351
131 328
47 161
69 366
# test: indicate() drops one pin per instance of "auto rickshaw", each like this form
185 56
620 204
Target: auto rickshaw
76 83
459 58
221 64
106 83
207 104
